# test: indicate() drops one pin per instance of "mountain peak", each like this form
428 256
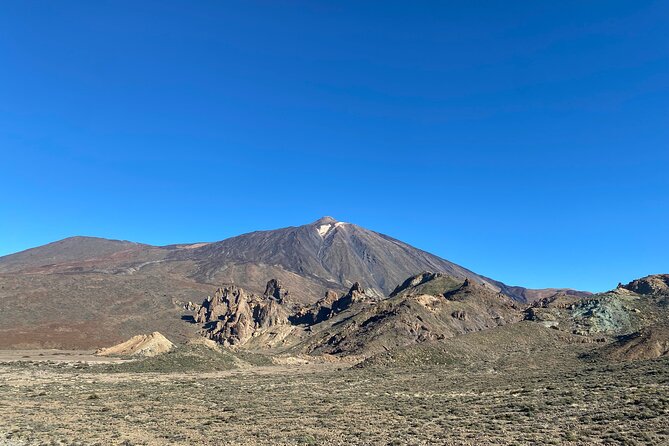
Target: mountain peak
327 220
325 225
311 258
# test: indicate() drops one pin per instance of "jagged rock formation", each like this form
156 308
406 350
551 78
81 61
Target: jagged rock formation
313 314
657 284
356 323
233 316
411 316
141 345
355 294
432 307
329 306
275 290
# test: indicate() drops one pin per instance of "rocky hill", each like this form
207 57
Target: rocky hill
153 344
622 311
431 311
427 307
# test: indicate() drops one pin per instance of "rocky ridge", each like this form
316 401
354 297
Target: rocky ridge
355 323
657 284
432 307
412 316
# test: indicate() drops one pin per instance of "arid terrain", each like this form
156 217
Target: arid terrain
334 223
553 398
440 357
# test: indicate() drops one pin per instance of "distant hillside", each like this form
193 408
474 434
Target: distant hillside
73 250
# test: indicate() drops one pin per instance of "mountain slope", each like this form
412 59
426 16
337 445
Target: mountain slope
334 254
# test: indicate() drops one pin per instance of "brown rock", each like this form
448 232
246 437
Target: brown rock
657 284
328 306
459 314
237 315
355 294
275 290
330 296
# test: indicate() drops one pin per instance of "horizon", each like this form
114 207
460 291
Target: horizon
525 142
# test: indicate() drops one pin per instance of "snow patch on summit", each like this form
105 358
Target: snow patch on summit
323 230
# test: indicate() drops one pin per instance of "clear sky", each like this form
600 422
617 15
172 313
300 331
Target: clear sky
525 140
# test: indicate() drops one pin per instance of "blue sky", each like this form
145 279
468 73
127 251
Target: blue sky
525 140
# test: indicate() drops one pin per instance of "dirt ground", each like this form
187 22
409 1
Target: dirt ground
52 355
579 403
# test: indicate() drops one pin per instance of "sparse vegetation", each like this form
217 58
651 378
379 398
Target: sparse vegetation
556 398
460 365
190 358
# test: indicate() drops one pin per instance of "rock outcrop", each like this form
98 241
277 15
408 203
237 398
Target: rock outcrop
275 290
648 343
141 345
329 306
414 281
432 309
427 283
622 315
657 284
355 294
313 314
233 316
